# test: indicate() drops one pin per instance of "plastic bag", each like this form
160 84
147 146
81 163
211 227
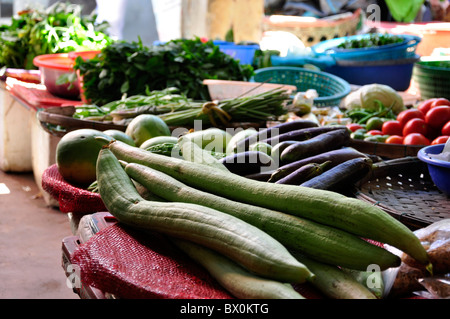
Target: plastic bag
436 287
411 277
444 155
303 102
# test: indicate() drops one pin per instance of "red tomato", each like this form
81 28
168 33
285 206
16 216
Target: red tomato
406 115
394 139
415 139
439 101
425 105
438 116
446 129
392 128
415 125
440 140
354 126
433 132
374 132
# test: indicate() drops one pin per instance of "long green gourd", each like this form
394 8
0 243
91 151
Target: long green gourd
247 245
321 242
322 206
235 279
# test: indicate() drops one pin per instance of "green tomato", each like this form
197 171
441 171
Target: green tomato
358 135
374 123
376 138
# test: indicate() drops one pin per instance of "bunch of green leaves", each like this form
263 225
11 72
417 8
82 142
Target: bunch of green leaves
125 68
371 41
59 29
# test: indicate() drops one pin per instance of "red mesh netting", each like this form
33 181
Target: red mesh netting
136 265
70 198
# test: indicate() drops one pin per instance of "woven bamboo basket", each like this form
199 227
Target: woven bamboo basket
384 150
311 32
403 188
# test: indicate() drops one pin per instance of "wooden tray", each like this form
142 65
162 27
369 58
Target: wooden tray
404 189
389 151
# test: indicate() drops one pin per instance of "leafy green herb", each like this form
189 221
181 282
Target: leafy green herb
373 40
124 68
436 64
59 29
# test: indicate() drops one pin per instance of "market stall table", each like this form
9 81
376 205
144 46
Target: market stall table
25 146
109 273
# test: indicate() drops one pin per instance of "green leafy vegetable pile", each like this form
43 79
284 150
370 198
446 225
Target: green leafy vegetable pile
436 64
59 29
124 68
373 40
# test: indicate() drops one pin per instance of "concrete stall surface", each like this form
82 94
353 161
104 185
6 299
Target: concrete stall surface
31 235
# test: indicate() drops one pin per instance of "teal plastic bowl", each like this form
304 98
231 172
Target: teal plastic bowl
439 170
330 88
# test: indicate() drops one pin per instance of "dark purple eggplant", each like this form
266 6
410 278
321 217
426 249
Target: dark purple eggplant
302 134
272 132
340 177
331 140
247 163
260 176
304 173
335 156
279 148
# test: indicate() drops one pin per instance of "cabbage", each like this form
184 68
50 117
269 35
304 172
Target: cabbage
366 98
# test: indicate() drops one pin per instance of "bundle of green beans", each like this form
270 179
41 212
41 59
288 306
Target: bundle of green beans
178 110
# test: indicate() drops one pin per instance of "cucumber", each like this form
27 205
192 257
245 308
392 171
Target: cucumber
239 282
237 137
324 243
211 139
247 245
322 206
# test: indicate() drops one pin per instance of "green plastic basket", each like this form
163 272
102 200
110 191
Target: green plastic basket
432 78
330 88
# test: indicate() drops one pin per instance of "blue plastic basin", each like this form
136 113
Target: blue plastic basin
243 53
396 74
439 170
